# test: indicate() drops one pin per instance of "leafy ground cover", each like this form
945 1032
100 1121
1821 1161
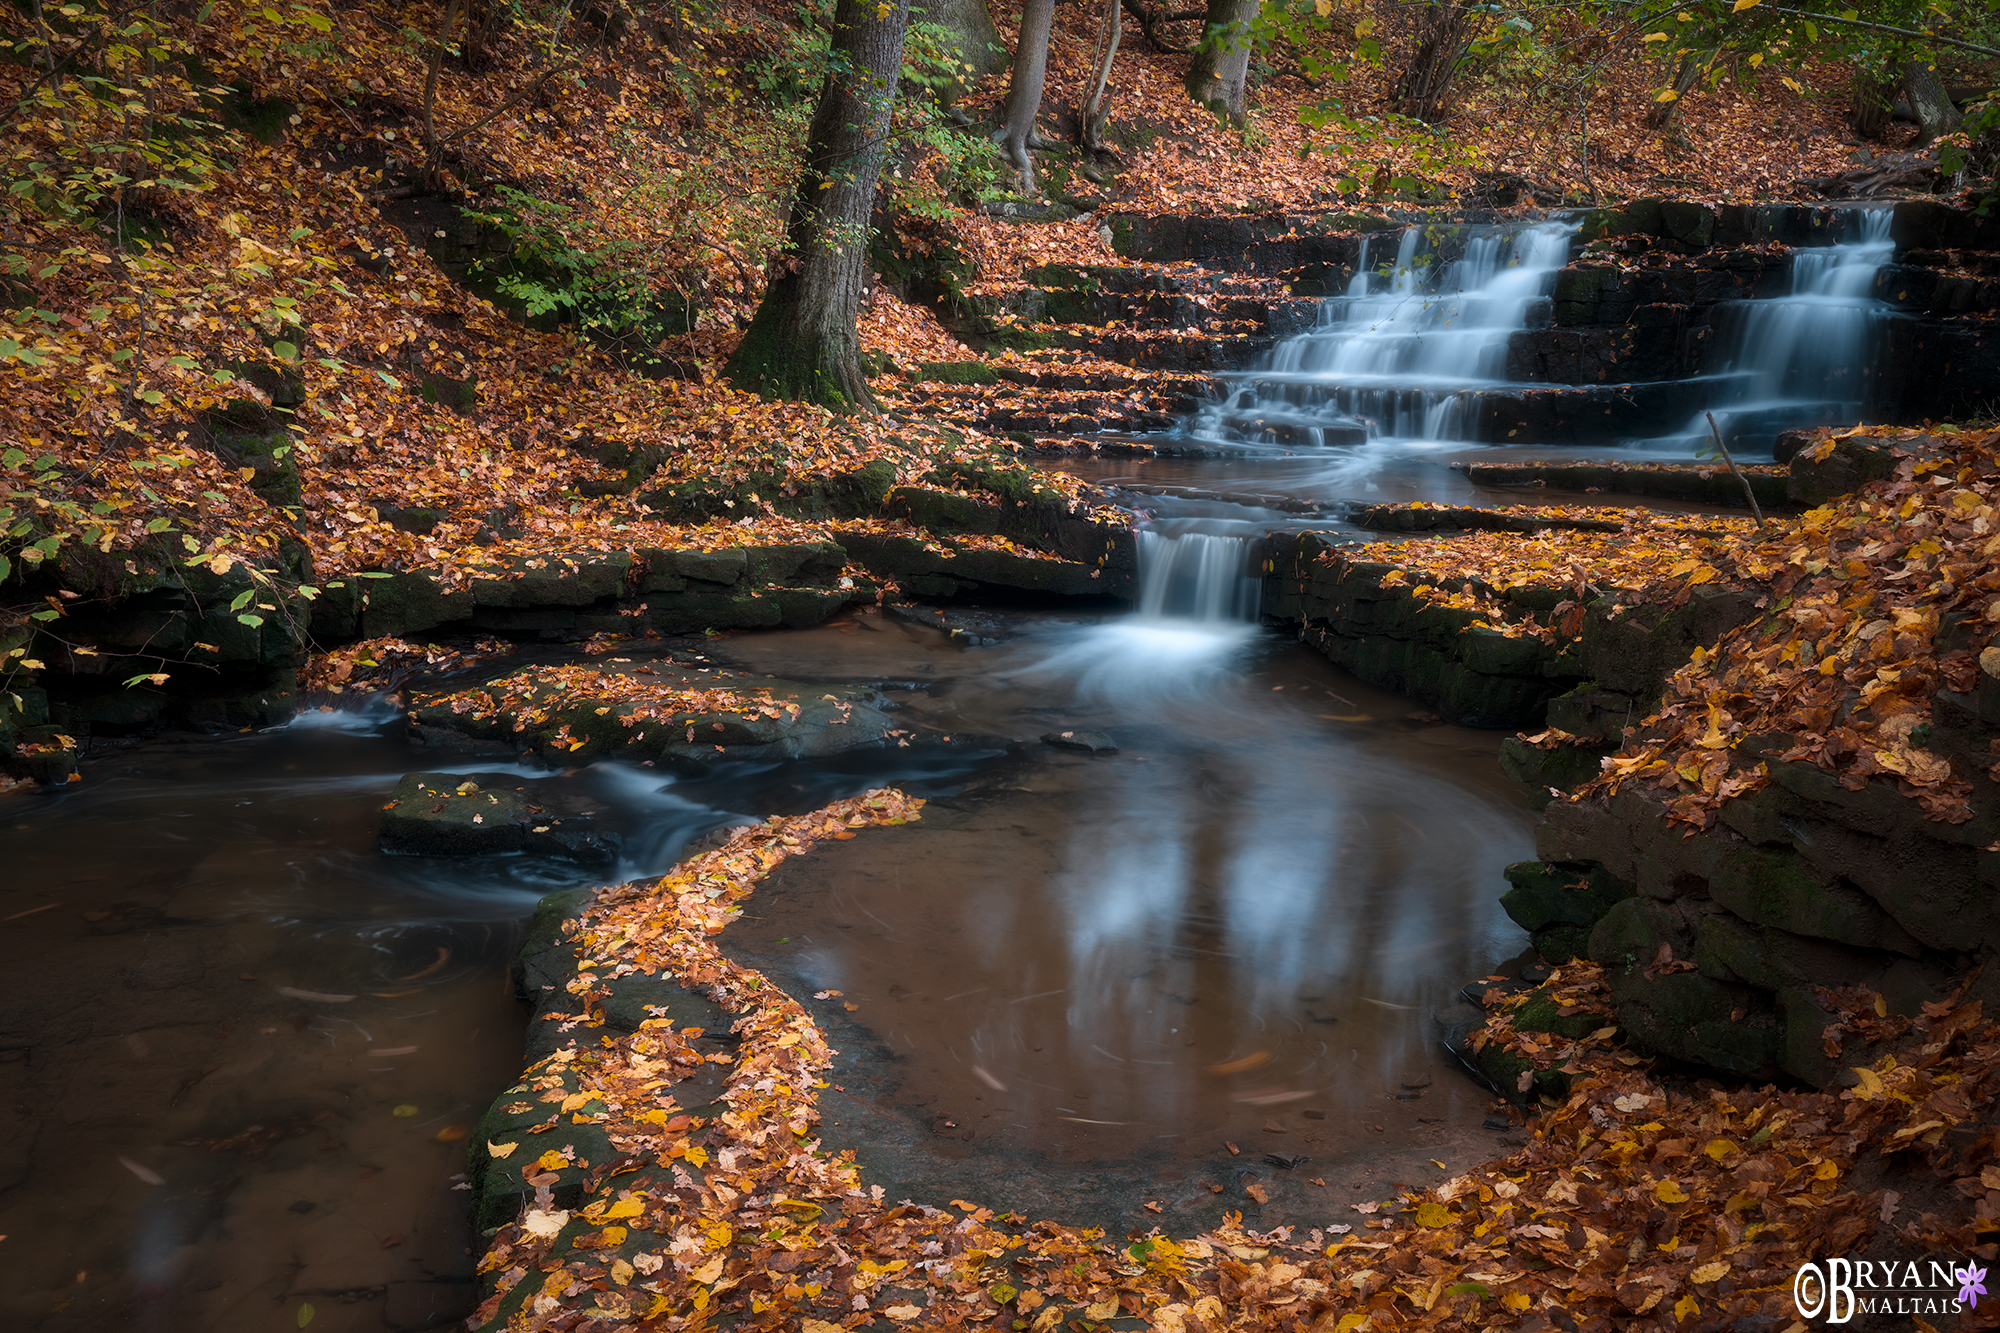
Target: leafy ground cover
1642 1197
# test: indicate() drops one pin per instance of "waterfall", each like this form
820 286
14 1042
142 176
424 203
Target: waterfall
1398 354
1803 359
1197 577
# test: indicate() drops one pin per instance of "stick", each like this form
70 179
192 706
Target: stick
1748 494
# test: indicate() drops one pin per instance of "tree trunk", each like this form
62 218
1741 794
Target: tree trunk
485 23
1936 116
1091 115
1868 115
1219 69
1441 31
972 31
1024 93
1661 114
803 342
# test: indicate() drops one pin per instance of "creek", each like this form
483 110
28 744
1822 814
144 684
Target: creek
240 1072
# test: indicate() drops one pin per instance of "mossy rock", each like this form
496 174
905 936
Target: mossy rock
957 372
1564 767
1542 1014
1558 906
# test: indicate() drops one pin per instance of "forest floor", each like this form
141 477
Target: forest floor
303 281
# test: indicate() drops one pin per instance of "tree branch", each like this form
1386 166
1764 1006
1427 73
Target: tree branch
1884 27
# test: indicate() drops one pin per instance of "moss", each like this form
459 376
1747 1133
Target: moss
958 372
1542 1014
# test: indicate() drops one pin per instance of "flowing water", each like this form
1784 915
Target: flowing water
242 1047
1803 359
1396 379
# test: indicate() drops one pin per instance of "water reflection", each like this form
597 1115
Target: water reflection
1240 919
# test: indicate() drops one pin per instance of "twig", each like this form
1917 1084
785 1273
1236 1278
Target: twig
1748 494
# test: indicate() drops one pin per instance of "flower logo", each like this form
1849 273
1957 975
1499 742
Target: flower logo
1971 1284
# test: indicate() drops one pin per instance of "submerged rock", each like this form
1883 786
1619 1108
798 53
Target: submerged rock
1092 742
440 814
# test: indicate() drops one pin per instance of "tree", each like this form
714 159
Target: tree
1932 106
1219 71
803 342
972 31
1024 92
1090 114
1444 33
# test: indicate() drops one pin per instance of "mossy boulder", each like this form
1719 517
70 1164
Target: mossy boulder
1559 905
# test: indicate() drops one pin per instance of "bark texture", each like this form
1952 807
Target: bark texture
1024 94
1219 71
971 27
803 342
1929 103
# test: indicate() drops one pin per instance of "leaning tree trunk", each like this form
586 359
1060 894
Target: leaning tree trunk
1024 94
803 342
1929 103
1219 70
1874 98
1442 36
1661 114
1091 115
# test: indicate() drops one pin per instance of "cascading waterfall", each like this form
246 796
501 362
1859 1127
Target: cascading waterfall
1395 356
1802 359
1195 576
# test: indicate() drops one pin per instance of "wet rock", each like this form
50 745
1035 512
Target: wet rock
1091 742
438 814
1559 905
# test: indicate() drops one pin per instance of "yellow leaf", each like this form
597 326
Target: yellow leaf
1686 1305
1826 1171
1791 83
1516 1301
1741 5
625 1208
1654 37
613 1236
1668 95
1349 1322
1324 8
710 1271
1101 1311
1711 1272
1669 1192
1869 1087
552 1161
500 1149
1881 1007
574 1100
1756 59
1719 1149
1433 1215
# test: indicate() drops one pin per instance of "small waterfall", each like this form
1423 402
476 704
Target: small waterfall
1398 354
1802 359
1197 577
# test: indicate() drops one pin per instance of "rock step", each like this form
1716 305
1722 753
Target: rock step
1696 483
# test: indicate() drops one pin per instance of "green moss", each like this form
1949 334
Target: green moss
958 372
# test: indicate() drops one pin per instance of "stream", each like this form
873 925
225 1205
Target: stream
241 1074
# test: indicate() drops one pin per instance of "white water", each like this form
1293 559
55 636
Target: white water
1399 355
1801 359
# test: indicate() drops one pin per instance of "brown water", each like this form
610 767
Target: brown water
242 1048
1236 928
